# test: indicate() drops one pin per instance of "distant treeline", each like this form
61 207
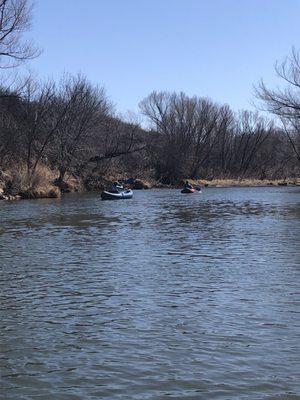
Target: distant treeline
72 128
197 138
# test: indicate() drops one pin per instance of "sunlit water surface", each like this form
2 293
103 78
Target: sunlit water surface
165 296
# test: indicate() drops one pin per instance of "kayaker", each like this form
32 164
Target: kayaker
187 185
117 187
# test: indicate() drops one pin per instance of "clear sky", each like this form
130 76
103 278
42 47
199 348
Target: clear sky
215 48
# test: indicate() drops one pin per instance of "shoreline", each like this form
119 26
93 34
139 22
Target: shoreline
48 188
228 183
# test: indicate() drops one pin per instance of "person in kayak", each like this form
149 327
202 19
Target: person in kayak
117 187
187 185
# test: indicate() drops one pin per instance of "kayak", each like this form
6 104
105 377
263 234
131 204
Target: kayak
126 194
187 190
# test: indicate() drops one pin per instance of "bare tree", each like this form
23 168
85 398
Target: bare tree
15 19
116 138
35 120
285 102
84 108
173 116
190 131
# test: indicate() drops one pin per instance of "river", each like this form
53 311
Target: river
164 296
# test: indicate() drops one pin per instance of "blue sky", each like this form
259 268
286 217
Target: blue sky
214 48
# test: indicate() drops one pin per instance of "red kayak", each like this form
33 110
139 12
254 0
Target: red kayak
187 190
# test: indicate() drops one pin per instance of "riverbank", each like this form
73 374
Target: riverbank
17 184
246 182
44 183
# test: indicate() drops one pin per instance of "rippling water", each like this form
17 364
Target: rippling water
165 296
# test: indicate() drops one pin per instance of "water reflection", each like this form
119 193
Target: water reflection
165 296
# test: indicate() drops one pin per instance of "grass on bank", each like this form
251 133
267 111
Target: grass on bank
32 186
245 182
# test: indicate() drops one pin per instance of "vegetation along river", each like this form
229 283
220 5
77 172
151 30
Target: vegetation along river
165 296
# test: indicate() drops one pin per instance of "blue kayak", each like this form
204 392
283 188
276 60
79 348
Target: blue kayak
125 194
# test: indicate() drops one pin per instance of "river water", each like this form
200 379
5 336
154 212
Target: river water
165 296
